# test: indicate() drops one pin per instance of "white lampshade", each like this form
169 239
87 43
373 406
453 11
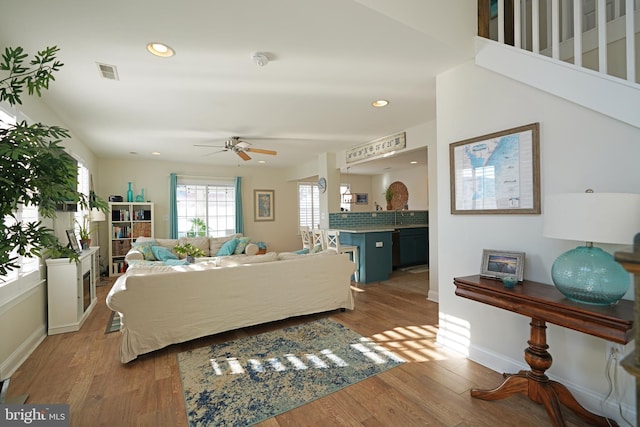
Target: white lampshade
97 215
612 218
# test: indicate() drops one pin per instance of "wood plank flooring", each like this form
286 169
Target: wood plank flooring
82 369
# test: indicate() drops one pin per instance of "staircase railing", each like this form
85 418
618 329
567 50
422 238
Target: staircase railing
606 43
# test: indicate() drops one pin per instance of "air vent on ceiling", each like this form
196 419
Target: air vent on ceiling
108 71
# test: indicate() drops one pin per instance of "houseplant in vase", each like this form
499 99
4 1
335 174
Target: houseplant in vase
84 230
190 251
388 196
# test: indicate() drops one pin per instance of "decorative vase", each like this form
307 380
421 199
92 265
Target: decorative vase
389 206
85 244
130 194
140 197
190 259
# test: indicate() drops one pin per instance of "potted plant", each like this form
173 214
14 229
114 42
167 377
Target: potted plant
388 196
36 170
84 230
189 250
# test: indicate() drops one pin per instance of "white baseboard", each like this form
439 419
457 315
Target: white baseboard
17 358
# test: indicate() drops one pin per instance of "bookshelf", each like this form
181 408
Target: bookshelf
127 222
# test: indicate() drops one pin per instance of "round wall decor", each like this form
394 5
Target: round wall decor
400 195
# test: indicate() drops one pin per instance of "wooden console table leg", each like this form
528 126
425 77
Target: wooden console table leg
538 387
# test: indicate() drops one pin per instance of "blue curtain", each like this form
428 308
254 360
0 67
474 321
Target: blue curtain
173 206
239 219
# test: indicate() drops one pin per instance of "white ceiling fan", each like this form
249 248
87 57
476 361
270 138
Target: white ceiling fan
240 147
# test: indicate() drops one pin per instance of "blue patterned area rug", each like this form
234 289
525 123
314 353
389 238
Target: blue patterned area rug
243 382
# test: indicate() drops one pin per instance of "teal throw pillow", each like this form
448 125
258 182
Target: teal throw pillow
302 251
145 249
242 244
162 254
228 247
316 249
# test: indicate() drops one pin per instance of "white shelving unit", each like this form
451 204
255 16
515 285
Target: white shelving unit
127 222
71 291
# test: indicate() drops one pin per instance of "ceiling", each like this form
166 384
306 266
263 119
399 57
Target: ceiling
328 60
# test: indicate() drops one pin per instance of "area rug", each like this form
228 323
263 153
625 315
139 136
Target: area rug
248 380
416 269
113 324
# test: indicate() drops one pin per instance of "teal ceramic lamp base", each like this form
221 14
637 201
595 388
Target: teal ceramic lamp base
590 275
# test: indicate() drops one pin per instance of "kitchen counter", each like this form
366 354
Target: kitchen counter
377 252
379 228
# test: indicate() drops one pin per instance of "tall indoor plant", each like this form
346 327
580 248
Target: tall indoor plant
34 167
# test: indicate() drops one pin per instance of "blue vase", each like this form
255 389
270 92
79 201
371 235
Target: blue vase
130 194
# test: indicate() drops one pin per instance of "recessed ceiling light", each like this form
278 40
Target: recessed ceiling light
261 161
160 49
155 153
380 103
414 162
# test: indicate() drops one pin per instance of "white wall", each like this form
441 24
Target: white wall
579 149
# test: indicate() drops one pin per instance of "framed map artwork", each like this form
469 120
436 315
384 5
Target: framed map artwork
498 173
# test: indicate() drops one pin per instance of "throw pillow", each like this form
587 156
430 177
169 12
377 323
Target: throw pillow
242 244
251 249
162 254
145 249
316 249
228 247
302 251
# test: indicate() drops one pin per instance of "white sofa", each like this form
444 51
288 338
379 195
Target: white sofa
163 305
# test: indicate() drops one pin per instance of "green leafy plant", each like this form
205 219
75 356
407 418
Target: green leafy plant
56 250
198 228
188 249
388 194
34 167
84 228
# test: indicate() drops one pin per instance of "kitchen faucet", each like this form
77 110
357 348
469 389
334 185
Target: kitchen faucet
395 216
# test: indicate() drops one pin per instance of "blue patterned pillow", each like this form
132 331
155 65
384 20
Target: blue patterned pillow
162 254
228 247
145 249
242 244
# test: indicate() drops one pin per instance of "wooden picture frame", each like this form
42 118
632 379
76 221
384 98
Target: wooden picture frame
264 205
497 264
73 241
497 173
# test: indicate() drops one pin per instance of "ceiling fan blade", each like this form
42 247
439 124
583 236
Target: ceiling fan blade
209 146
216 152
261 151
244 156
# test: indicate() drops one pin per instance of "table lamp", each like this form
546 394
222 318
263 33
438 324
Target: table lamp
587 274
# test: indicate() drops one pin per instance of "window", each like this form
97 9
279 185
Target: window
83 187
309 205
206 208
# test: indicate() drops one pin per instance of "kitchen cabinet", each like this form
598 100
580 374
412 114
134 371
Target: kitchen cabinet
414 246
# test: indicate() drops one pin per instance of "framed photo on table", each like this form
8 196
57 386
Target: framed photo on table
499 264
264 205
73 241
498 173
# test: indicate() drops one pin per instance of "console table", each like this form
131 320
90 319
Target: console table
544 303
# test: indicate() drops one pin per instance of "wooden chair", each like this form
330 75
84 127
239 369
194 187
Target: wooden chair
317 238
332 241
305 234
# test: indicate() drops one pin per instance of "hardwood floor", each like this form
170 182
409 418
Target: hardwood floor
82 369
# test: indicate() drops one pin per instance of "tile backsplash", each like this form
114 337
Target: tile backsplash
364 219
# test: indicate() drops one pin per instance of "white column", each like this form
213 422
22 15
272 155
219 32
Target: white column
577 33
631 45
330 199
601 12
